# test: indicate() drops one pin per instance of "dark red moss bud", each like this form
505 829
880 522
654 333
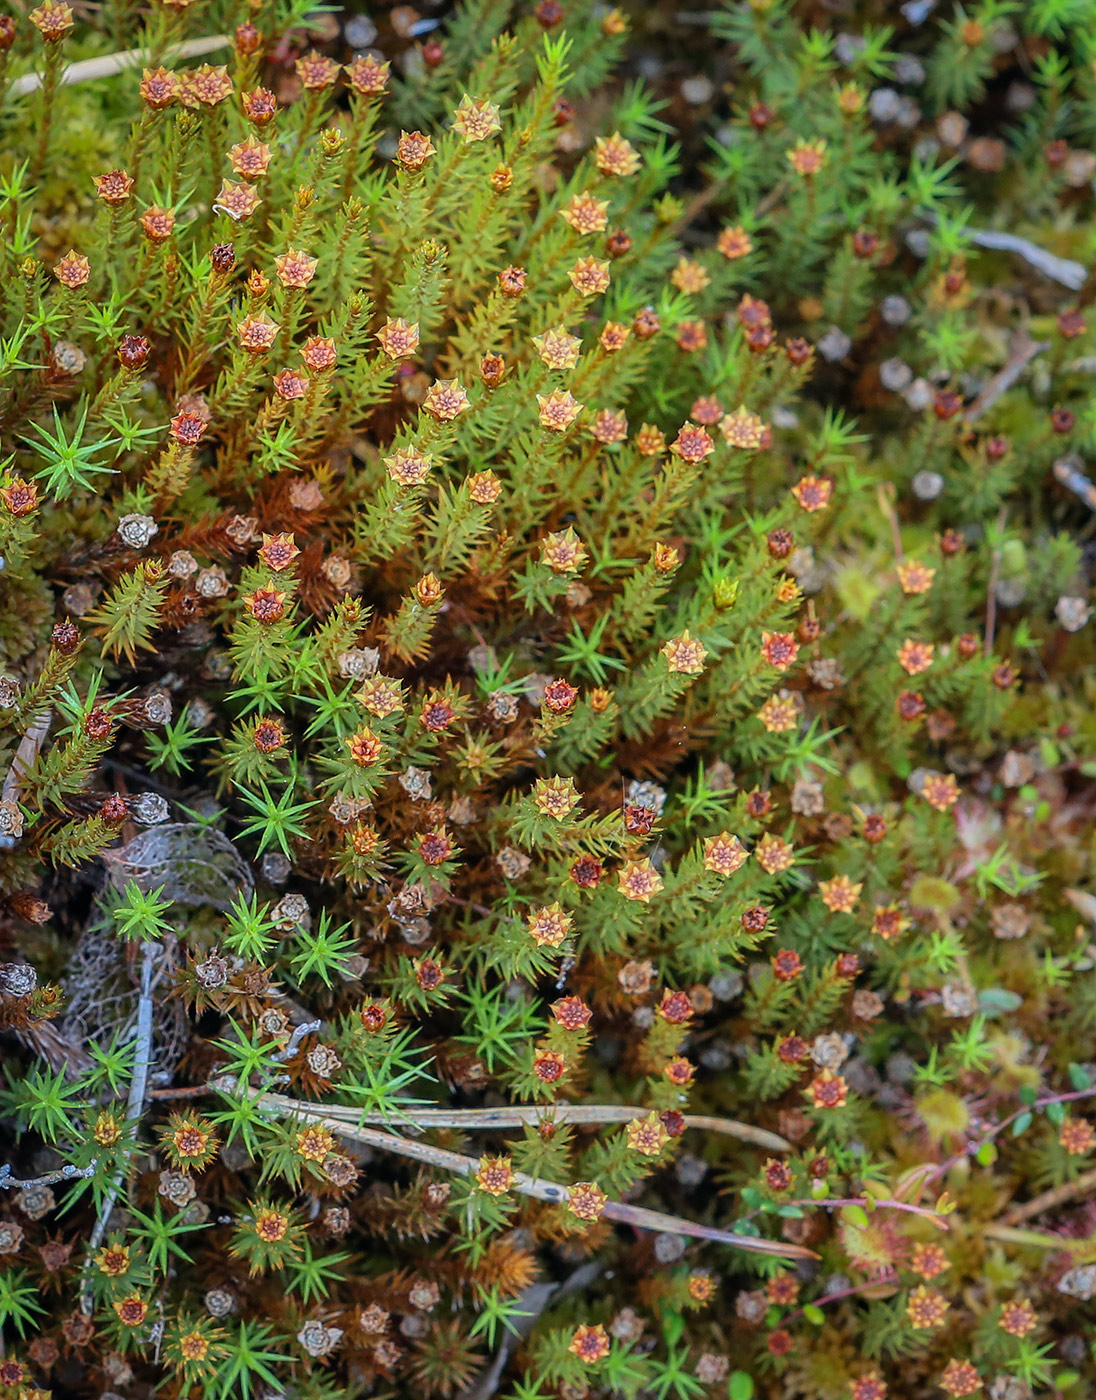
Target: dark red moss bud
248 40
910 705
187 429
787 965
798 351
492 370
792 1049
864 244
618 243
758 804
429 974
996 447
646 324
98 724
780 543
760 338
223 258
638 820
1071 324
115 809
586 872
133 352
559 697
374 1016
761 116
512 281
65 637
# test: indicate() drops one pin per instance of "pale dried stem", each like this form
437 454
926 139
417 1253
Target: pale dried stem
332 1117
109 64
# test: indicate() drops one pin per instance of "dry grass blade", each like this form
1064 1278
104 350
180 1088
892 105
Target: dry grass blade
486 1119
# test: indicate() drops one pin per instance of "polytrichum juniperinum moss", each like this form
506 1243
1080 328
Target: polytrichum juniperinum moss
545 704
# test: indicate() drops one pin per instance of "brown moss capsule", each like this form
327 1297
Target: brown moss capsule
27 906
433 53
